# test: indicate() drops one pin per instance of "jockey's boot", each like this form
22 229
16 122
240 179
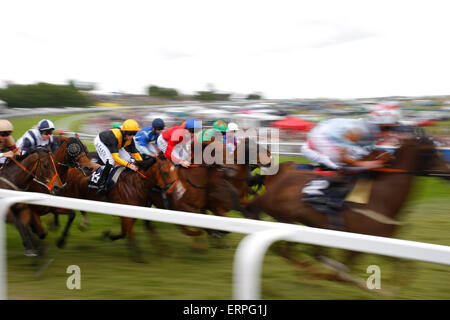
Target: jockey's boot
102 182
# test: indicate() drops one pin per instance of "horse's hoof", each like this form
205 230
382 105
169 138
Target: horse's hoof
30 253
82 227
61 243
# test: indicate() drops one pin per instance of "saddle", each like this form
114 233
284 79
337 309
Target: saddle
327 193
103 179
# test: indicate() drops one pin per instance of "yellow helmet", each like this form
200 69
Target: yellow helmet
130 125
5 125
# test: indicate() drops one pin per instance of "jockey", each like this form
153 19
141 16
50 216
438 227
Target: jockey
114 147
40 136
333 144
336 142
8 147
148 135
218 129
175 142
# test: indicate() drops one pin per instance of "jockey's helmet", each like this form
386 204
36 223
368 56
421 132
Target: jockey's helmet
115 125
385 116
5 125
130 125
193 123
220 125
158 124
45 125
232 127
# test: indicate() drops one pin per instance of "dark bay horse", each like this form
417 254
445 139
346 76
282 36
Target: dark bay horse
71 153
36 166
389 191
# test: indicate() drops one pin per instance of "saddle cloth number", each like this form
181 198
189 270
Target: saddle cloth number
95 177
314 187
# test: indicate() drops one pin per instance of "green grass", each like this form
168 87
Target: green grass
107 272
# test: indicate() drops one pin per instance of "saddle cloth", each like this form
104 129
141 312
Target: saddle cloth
111 180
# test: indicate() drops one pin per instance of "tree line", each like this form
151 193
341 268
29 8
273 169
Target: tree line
74 94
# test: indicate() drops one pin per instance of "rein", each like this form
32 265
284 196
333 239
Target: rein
48 185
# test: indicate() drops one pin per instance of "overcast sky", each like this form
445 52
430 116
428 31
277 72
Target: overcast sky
283 49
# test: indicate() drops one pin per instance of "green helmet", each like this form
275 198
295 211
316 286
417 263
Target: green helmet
206 135
220 125
115 125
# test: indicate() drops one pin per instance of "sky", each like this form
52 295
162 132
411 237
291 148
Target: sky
282 49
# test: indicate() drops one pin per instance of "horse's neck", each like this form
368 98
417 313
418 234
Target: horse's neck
61 158
16 175
392 189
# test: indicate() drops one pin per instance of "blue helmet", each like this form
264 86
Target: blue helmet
193 123
158 124
45 124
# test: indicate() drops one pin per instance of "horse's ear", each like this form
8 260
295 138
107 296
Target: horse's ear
161 156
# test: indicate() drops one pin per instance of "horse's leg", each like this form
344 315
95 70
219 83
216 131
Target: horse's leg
61 242
36 225
161 248
128 224
85 222
23 217
55 225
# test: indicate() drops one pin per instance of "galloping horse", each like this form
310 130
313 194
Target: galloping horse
39 166
216 187
71 153
132 188
390 188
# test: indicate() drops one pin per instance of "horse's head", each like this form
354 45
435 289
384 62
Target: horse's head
161 170
73 153
40 164
423 157
256 155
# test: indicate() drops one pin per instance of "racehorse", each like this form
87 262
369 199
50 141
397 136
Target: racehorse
71 153
37 165
218 187
131 188
389 191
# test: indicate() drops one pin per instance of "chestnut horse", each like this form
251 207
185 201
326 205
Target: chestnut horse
71 153
390 188
38 166
215 187
132 188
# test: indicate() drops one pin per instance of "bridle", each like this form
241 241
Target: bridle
74 151
34 175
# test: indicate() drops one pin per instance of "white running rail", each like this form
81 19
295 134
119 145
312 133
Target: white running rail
250 252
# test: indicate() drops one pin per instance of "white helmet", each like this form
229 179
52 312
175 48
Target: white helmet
45 124
232 127
385 115
5 125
